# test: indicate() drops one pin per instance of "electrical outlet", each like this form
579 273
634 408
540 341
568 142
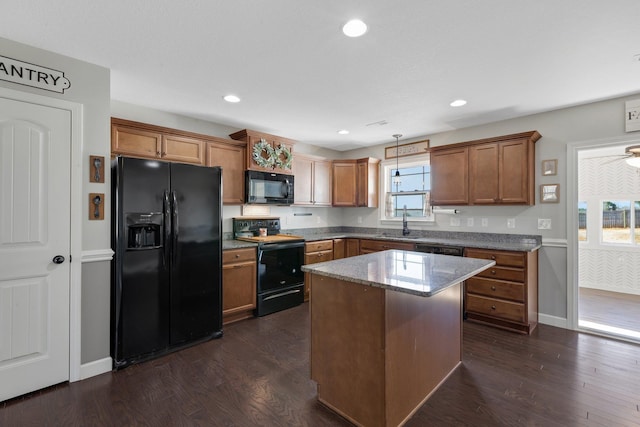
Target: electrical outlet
469 222
318 220
455 222
485 222
511 223
544 224
359 220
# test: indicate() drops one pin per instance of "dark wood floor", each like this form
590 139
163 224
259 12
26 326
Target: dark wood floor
258 375
611 309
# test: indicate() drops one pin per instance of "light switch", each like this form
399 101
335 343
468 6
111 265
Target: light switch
511 223
485 222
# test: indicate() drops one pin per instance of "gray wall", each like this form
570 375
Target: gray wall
90 86
600 120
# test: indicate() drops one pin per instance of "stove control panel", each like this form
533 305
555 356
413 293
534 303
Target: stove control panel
248 227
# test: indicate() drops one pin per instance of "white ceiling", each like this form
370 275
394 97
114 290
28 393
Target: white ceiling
300 77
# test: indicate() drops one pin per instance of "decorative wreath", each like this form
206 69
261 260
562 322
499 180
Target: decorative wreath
284 157
264 147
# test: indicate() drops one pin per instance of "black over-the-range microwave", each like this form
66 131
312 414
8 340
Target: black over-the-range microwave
268 188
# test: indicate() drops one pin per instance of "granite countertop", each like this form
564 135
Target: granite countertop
495 241
414 273
237 244
503 242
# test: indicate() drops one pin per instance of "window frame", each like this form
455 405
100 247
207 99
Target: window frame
633 227
386 186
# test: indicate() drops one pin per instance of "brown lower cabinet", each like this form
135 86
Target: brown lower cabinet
505 295
239 270
352 247
315 252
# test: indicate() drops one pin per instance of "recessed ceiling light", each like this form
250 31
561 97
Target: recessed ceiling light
231 98
354 28
458 103
343 132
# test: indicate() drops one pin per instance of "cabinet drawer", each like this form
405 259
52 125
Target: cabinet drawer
383 245
321 256
322 245
499 273
496 308
238 255
502 258
495 288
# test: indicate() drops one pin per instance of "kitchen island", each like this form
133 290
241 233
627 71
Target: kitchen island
386 331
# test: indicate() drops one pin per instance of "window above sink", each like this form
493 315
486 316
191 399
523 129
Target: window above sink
412 189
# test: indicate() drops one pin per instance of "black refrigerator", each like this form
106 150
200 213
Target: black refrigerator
167 268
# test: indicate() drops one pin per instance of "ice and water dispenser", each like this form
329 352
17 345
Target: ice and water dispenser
144 230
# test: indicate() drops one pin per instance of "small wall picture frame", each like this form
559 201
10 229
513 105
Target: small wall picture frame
550 167
96 169
550 193
96 206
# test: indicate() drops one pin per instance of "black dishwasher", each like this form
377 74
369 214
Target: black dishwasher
438 249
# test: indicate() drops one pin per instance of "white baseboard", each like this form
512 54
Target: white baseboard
558 322
97 367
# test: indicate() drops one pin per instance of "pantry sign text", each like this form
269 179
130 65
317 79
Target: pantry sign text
24 73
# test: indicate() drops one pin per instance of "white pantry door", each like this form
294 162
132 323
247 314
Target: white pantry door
35 151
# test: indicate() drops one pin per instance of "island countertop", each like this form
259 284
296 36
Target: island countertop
410 272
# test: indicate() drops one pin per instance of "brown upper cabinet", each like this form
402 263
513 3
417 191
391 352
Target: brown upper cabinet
143 140
492 171
266 152
312 180
232 158
131 140
450 176
355 183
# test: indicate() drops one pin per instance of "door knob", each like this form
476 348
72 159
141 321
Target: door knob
58 259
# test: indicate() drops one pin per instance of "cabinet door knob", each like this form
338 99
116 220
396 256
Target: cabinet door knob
493 257
493 288
493 272
237 255
493 307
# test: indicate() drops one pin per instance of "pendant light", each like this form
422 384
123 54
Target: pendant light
396 178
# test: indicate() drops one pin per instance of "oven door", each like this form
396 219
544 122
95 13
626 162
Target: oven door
279 266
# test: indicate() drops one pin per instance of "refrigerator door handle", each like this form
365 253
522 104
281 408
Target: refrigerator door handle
175 226
166 228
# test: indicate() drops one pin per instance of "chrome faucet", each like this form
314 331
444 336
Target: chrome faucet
405 223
